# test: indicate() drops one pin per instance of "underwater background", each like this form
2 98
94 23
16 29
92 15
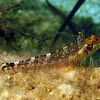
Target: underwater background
36 27
32 25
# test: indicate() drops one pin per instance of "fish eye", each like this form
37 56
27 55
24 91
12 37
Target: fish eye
96 39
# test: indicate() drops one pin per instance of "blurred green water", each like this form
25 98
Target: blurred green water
35 26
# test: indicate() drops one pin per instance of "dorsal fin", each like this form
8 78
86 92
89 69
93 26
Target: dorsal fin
80 37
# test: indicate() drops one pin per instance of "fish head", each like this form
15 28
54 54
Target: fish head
93 43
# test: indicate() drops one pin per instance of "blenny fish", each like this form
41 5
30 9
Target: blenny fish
68 56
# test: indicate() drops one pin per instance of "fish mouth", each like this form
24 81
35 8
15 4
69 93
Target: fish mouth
96 47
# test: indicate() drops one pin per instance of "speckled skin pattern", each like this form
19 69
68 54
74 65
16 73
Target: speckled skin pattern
67 56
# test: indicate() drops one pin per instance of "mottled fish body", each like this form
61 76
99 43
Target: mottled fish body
67 56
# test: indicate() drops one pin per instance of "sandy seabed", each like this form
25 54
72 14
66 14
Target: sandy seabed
76 83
